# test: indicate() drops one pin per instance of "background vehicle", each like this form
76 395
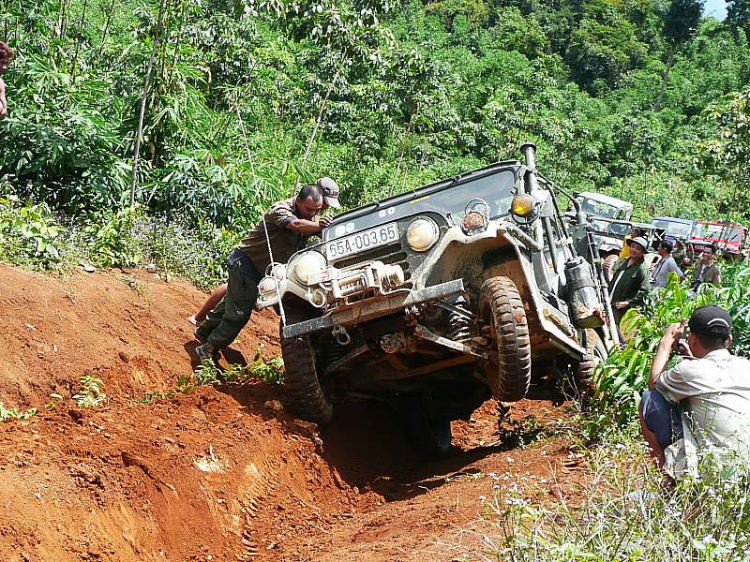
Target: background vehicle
729 238
674 227
610 223
437 299
604 206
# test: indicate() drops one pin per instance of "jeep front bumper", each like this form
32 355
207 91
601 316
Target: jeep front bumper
377 307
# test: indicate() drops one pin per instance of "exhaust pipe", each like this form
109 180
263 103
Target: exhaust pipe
529 154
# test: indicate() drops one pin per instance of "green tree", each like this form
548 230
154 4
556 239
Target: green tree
680 26
738 15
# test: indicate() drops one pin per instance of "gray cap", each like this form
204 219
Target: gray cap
640 240
330 191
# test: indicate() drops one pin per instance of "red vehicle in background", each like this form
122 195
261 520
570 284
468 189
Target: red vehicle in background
730 239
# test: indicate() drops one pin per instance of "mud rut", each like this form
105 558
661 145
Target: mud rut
222 474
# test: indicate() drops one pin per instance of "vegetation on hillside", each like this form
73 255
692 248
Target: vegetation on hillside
634 97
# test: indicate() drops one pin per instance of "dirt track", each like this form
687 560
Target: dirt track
217 474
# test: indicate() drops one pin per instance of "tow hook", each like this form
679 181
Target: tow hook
341 336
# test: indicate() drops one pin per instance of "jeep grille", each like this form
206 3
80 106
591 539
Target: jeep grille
392 254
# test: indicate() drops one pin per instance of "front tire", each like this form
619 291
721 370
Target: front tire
308 399
501 308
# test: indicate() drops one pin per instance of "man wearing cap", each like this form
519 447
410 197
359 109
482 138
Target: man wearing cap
630 282
701 405
330 190
285 228
665 266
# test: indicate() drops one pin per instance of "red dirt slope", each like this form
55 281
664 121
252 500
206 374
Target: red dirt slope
181 479
219 473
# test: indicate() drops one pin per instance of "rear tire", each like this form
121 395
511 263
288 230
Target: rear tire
307 397
501 308
595 354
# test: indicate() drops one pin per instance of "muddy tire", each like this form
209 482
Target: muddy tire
595 354
501 308
608 266
307 397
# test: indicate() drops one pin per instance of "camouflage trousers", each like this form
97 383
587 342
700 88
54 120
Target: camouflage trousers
224 323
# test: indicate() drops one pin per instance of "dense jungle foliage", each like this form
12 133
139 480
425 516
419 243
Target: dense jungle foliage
645 99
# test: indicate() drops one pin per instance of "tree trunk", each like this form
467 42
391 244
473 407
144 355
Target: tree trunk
665 78
74 64
144 97
319 120
108 21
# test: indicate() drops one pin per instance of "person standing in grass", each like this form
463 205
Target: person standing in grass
706 270
330 191
6 56
702 405
665 266
635 232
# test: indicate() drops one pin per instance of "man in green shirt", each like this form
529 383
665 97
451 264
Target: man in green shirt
285 227
630 280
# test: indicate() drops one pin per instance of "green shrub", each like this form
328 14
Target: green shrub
29 235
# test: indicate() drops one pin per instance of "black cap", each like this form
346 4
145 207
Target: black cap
712 321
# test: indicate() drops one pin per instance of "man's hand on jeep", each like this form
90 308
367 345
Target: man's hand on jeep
325 222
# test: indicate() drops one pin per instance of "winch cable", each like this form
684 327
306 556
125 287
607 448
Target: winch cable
263 219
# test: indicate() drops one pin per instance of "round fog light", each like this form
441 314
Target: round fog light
473 220
522 205
304 266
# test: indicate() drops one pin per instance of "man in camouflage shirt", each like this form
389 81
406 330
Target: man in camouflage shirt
286 227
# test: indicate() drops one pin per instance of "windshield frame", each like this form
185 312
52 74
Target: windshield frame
385 208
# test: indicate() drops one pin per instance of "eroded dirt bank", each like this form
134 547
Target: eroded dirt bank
216 474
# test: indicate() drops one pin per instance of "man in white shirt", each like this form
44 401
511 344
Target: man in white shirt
702 405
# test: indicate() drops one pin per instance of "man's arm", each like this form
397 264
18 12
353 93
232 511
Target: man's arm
3 101
716 276
302 226
672 335
676 269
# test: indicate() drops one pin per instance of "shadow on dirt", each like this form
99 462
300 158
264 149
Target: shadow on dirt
367 445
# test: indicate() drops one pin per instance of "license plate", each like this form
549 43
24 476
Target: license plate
362 241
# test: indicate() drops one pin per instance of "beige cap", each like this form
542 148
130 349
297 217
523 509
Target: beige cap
330 191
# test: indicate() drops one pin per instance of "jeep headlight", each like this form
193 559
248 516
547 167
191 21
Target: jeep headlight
305 265
422 234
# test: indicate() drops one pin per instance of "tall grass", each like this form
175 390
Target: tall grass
622 513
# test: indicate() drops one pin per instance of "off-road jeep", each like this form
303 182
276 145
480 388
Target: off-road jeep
441 297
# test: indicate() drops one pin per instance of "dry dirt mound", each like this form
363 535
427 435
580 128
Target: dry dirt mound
215 474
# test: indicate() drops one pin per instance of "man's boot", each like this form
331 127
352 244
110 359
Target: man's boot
206 352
